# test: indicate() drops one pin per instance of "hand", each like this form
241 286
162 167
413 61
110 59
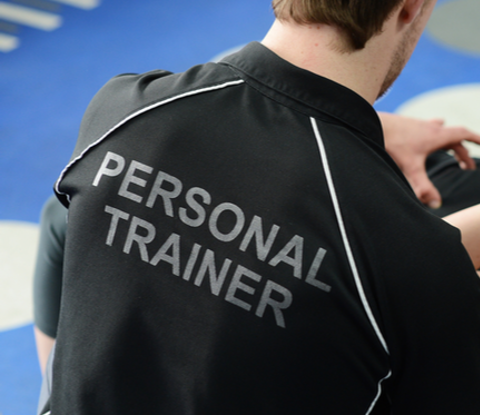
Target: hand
409 141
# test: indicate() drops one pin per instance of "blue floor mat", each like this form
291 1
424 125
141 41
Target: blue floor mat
49 80
20 377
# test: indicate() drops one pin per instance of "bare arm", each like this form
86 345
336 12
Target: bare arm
48 277
44 347
468 221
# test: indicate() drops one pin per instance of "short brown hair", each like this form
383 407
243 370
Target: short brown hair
359 19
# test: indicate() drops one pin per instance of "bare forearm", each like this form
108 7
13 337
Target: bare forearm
44 347
468 221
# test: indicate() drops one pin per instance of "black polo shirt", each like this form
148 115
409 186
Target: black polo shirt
240 242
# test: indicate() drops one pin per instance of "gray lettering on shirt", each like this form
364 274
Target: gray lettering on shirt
104 170
166 195
295 245
192 259
277 306
208 263
116 215
213 222
131 178
312 273
255 229
236 284
196 207
141 240
173 244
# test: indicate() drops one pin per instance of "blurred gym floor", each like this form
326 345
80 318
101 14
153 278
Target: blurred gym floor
54 56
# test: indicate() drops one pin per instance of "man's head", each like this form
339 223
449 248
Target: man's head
359 20
403 50
361 44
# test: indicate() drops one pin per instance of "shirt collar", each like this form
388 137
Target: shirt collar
314 91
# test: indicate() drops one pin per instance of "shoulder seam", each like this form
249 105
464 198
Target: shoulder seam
134 115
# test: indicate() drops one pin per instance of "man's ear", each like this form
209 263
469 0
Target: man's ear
410 10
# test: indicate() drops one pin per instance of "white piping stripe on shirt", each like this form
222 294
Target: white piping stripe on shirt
341 225
136 114
379 393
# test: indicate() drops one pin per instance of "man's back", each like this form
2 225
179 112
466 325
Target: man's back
240 242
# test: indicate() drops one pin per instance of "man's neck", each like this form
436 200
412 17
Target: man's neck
315 48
